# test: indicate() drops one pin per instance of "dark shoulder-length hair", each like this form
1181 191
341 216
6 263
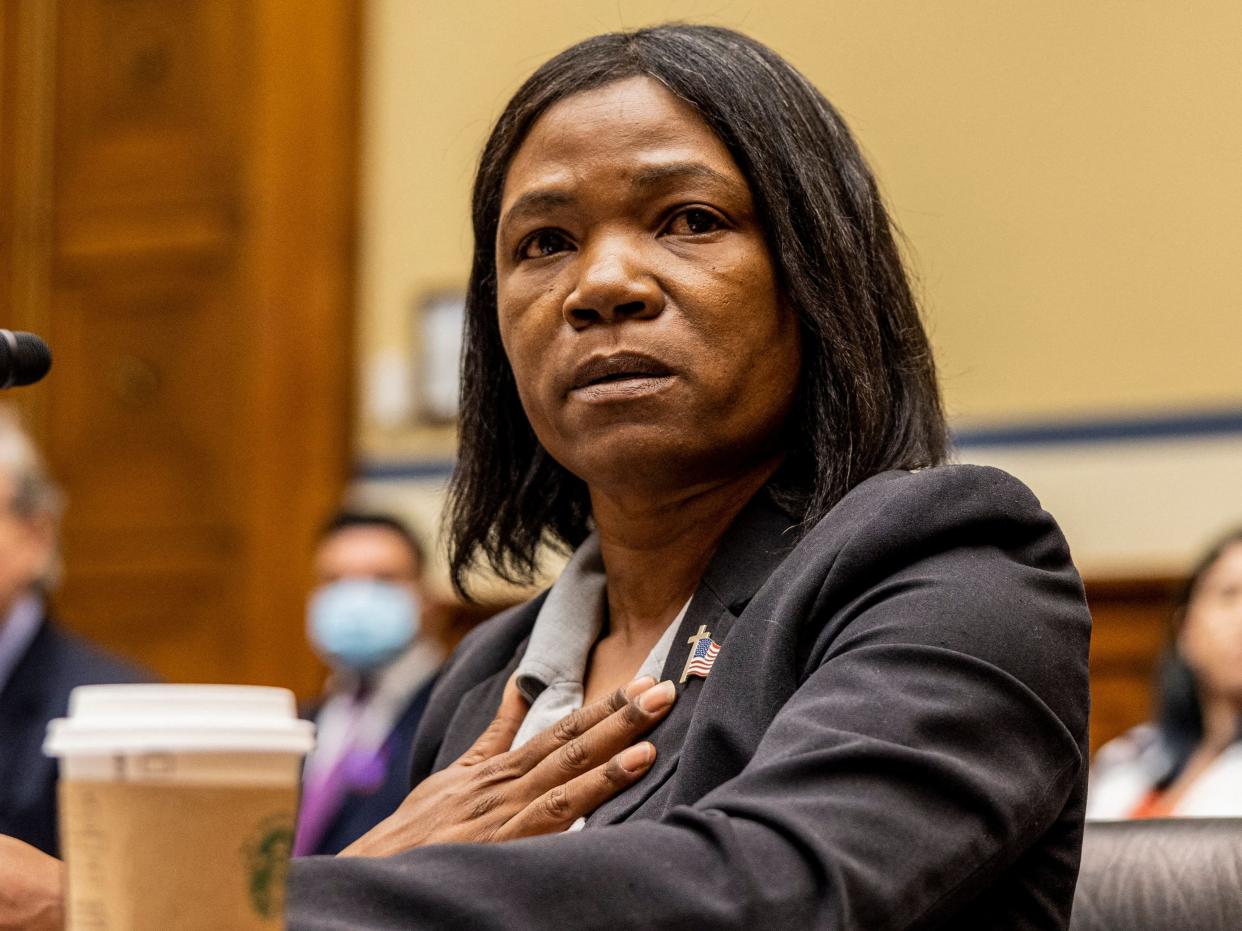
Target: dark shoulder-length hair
867 399
1179 711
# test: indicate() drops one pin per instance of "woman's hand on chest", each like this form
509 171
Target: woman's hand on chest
491 793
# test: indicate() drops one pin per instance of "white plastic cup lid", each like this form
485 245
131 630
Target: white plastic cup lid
109 719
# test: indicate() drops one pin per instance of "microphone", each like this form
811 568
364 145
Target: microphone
24 358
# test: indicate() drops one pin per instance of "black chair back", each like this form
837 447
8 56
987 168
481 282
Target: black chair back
1162 874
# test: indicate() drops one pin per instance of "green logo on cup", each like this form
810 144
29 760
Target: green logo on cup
267 864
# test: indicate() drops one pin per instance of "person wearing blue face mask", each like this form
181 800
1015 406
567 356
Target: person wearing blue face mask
365 619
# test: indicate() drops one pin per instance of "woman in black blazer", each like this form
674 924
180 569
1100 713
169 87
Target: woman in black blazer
692 356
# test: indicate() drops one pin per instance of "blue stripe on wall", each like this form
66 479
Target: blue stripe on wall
1171 426
396 470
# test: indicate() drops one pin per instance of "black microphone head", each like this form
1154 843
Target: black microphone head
24 358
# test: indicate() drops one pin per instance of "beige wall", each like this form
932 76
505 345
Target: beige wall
1067 175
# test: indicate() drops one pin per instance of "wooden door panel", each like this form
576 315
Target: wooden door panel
1130 628
179 197
151 103
156 531
183 619
150 381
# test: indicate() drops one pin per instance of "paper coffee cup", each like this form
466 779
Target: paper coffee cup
177 805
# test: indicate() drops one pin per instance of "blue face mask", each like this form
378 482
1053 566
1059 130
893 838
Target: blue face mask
361 624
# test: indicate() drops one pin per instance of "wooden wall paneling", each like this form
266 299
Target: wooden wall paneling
1130 619
8 102
27 80
142 432
151 99
302 178
183 183
155 536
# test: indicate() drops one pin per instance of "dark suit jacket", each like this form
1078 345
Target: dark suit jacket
360 810
38 691
892 736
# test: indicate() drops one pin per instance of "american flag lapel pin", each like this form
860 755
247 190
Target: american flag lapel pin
703 651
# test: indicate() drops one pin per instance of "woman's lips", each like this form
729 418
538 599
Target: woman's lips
622 389
619 376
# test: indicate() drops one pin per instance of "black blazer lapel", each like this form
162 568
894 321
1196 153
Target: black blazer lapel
476 709
466 699
459 701
705 611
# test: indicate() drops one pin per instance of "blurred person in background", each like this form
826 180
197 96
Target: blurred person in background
39 662
366 620
1188 763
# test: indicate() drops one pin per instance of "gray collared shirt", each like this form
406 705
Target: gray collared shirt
551 671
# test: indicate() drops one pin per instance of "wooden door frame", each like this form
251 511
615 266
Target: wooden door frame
307 75
27 66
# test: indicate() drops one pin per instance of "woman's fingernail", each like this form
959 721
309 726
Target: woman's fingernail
658 697
637 757
639 685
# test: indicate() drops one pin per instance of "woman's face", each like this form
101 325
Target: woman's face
637 300
1211 636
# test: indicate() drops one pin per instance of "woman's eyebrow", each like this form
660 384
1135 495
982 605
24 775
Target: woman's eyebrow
678 172
539 201
536 202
